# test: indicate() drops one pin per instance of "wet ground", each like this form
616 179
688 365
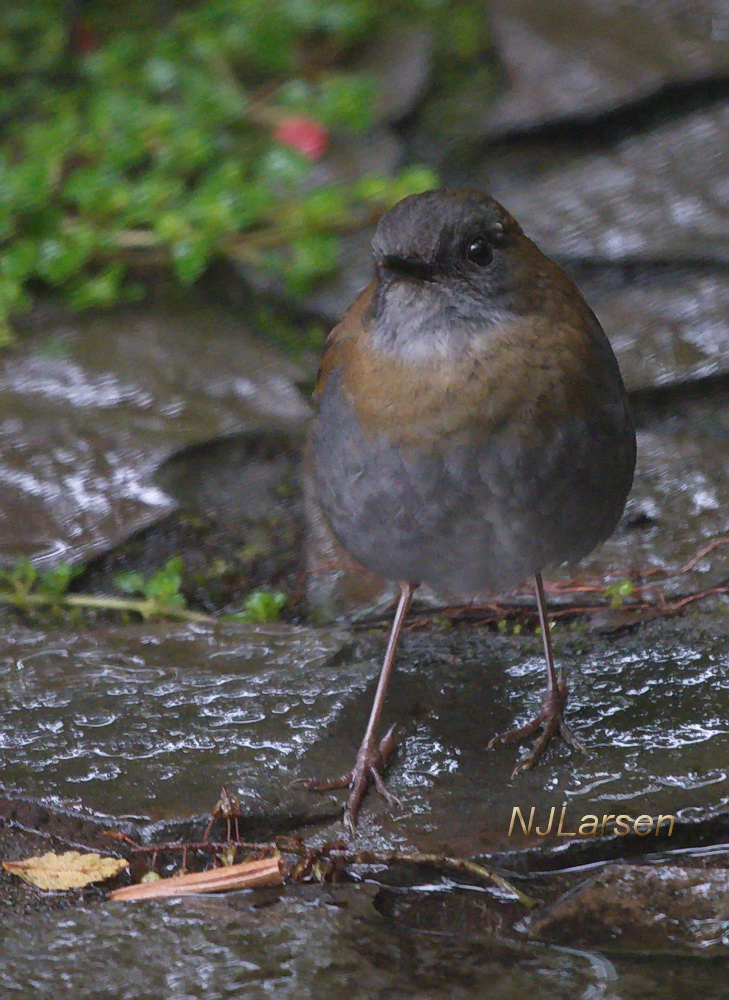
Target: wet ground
135 728
174 429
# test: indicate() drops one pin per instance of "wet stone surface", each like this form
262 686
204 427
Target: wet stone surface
312 942
679 502
321 942
150 722
638 908
667 325
90 406
655 194
583 58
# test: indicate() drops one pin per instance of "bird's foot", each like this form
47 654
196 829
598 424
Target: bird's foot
550 719
369 766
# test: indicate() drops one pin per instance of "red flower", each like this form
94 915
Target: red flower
303 134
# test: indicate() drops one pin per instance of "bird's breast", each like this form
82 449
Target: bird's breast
511 377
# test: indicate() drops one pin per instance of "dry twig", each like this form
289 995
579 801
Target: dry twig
247 875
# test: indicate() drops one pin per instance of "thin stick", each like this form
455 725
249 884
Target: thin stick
470 868
479 872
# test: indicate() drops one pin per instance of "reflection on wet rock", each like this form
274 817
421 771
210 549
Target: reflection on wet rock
151 721
91 406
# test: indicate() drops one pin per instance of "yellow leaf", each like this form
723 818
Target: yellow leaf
71 870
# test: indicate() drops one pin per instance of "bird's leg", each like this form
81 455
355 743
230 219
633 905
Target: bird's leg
550 717
371 756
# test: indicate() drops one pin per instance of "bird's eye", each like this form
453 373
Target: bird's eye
479 252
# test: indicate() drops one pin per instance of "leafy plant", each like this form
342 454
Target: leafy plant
156 596
24 579
161 590
171 145
262 607
618 591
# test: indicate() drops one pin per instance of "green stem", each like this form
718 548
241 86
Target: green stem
139 605
480 872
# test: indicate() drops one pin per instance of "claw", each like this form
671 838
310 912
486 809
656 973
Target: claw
550 720
382 790
370 764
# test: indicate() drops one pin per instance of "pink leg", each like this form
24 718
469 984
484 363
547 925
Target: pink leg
550 716
371 756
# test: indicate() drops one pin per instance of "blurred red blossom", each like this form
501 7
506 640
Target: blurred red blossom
305 135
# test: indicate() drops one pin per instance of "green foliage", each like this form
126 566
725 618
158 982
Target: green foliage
25 587
24 579
127 140
162 589
617 592
56 581
262 607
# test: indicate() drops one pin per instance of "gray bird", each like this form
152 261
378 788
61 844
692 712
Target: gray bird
471 429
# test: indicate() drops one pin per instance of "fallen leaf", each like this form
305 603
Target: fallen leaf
71 870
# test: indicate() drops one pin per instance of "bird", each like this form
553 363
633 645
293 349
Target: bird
471 428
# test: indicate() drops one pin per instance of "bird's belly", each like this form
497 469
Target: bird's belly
468 513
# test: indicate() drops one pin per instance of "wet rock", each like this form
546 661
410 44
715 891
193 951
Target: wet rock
639 909
151 721
667 325
317 941
580 59
91 405
679 503
245 479
655 195
400 60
